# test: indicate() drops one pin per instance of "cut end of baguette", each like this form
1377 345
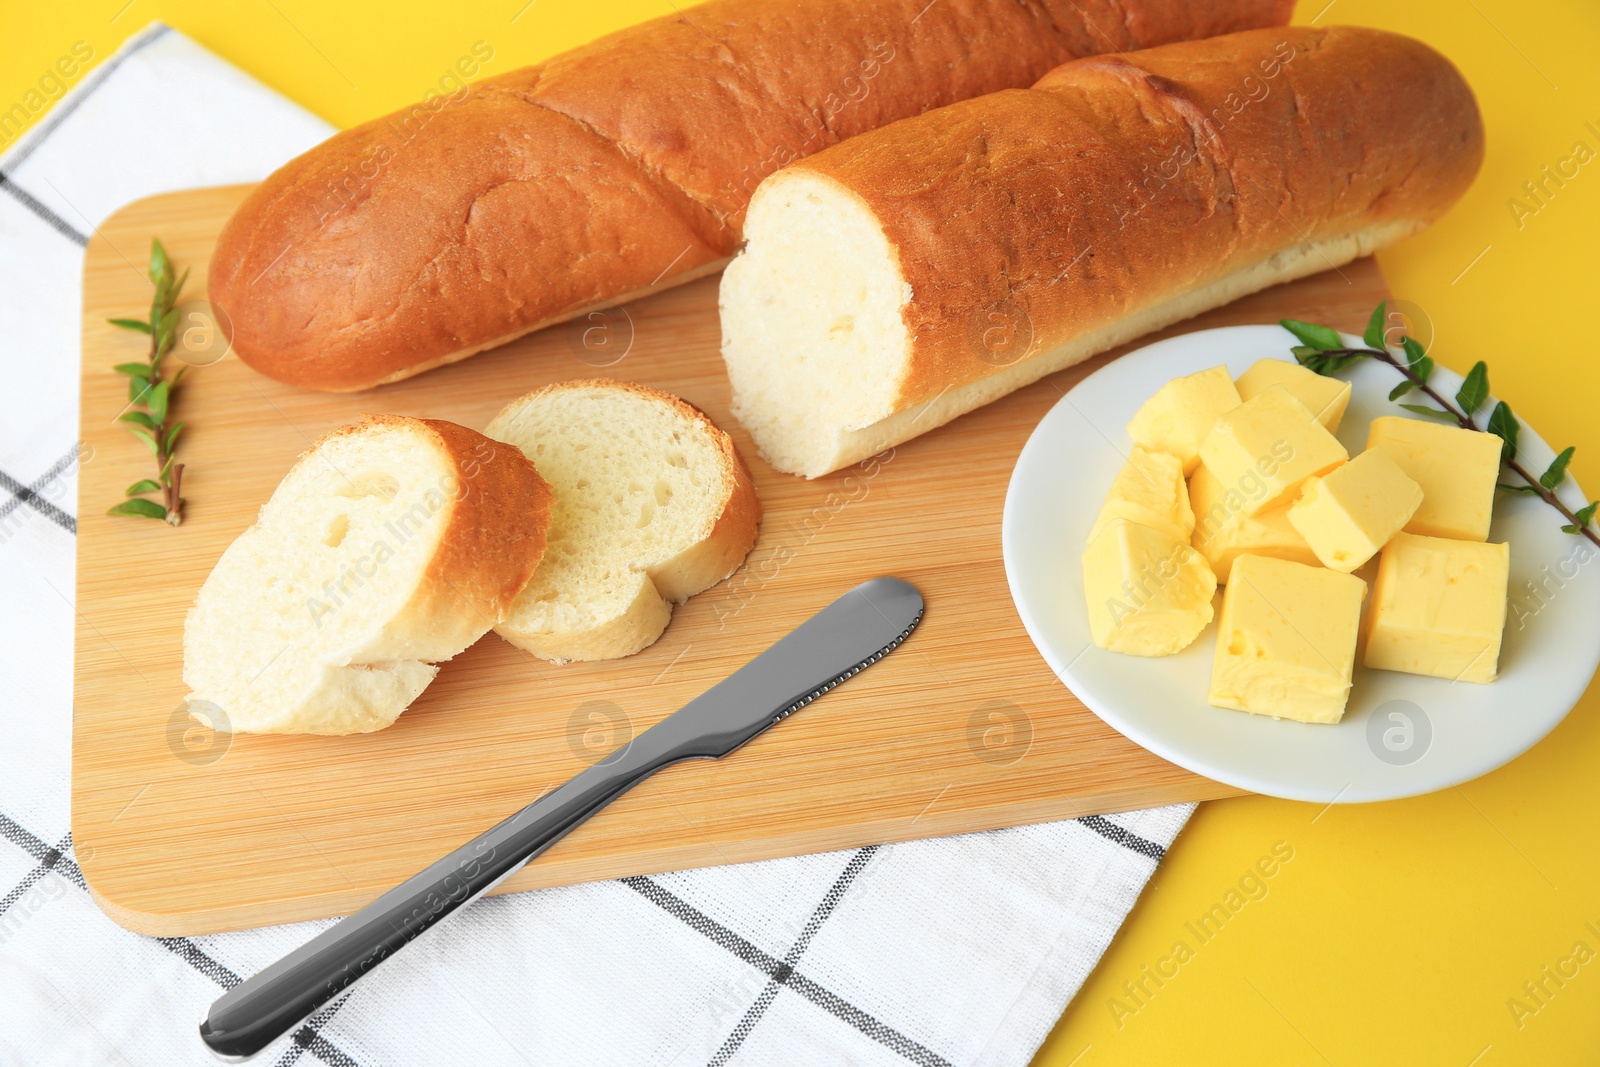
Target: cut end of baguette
652 505
383 551
812 308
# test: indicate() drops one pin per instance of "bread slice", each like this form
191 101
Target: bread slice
652 505
893 281
391 545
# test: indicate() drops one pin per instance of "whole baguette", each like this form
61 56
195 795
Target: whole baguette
899 279
612 170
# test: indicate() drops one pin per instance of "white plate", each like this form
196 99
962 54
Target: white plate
1402 734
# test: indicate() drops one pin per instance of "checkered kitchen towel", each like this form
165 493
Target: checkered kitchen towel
955 951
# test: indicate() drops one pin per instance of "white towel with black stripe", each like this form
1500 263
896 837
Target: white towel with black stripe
960 950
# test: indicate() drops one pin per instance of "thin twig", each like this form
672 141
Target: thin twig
1466 423
162 328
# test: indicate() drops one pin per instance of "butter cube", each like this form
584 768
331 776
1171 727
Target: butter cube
1456 468
1149 594
1178 417
1325 397
1350 513
1286 644
1439 608
1223 532
1271 439
1149 490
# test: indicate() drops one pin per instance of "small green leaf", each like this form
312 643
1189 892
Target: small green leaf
1324 363
160 264
1422 369
1584 516
166 468
131 324
1504 425
1312 359
1374 334
1474 388
166 330
139 506
1416 355
137 370
1320 337
144 435
172 435
158 402
144 485
139 418
1556 473
1405 386
1433 413
177 287
1528 489
138 388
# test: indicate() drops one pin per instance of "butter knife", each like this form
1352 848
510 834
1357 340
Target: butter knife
847 636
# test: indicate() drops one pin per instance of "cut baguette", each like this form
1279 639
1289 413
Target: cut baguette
652 504
894 281
391 545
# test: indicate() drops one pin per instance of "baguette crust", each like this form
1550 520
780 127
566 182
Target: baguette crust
1355 130
1126 192
495 536
618 168
702 565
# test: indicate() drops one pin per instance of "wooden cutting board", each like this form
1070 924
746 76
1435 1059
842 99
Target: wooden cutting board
964 728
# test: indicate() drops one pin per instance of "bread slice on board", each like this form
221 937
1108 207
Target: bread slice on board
612 170
652 504
897 280
391 545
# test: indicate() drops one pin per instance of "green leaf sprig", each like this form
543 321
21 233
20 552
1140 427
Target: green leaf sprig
150 397
1323 350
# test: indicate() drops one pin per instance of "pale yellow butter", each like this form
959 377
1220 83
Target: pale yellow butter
1286 642
1271 438
1223 531
1149 594
1180 414
1149 489
1326 398
1439 608
1456 467
1350 513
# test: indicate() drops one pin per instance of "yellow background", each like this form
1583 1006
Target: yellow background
1398 932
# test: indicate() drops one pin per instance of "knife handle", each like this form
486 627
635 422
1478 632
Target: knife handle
263 1008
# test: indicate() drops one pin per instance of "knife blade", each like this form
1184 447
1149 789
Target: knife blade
845 637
